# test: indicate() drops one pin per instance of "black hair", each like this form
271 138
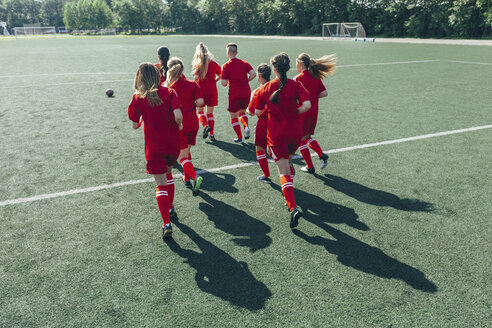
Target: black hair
281 63
163 53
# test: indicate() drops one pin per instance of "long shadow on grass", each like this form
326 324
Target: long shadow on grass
316 208
219 274
363 257
249 232
245 151
374 196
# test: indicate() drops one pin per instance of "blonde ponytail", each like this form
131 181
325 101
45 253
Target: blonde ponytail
201 60
175 70
321 67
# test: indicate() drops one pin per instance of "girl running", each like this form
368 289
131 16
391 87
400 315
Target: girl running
190 97
159 108
163 55
264 72
281 98
206 72
312 71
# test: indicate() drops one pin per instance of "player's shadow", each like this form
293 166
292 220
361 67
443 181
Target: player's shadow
246 230
316 208
219 182
373 196
363 257
219 274
245 152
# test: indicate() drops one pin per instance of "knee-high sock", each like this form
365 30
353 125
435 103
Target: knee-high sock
203 119
237 128
244 119
211 122
162 199
288 191
170 189
314 145
188 167
185 175
262 160
306 154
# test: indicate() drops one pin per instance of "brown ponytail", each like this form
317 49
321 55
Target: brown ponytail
319 68
281 63
147 82
201 60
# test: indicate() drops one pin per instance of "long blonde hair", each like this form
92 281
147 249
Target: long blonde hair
201 59
321 67
147 82
175 70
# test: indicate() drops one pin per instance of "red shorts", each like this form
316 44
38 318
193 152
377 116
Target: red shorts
283 150
236 104
309 124
261 132
211 100
160 163
187 138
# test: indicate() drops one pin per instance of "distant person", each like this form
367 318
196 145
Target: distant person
281 98
163 56
264 73
237 73
190 97
206 72
159 109
312 71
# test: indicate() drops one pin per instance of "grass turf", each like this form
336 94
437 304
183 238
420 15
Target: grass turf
397 235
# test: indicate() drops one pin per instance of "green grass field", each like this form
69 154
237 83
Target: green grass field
395 235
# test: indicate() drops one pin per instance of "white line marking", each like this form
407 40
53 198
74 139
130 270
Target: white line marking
467 62
393 63
66 83
231 167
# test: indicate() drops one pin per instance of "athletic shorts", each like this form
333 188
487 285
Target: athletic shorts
211 100
261 132
160 164
309 124
236 104
283 150
187 138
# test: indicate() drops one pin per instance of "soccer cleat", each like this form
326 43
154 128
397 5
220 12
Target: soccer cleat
308 170
212 137
264 179
172 212
187 183
293 170
240 140
323 160
196 185
206 130
247 133
167 231
295 215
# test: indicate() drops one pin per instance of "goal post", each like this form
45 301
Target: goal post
107 31
34 31
343 30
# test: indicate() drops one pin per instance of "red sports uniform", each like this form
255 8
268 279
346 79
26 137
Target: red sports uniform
160 129
284 126
188 92
236 72
314 86
209 86
261 123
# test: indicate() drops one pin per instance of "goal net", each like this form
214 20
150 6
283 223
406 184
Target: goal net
343 30
34 31
107 31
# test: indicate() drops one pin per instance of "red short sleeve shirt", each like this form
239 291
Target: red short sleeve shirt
236 72
160 129
208 84
314 86
252 102
188 92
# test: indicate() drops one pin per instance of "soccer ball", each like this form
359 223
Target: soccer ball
109 93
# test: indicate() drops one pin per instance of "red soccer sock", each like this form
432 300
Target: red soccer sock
262 160
202 118
244 120
211 122
188 168
237 128
162 198
185 175
170 189
306 154
314 145
288 191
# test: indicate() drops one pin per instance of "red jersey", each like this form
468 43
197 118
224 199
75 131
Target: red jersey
314 86
188 92
161 73
284 125
252 102
236 71
208 85
160 129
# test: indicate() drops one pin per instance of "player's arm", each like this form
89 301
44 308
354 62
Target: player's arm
178 117
137 125
251 75
323 94
224 82
199 102
134 113
306 105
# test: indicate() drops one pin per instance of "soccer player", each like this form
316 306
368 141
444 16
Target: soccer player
264 72
237 73
163 55
190 96
159 109
206 72
312 71
281 98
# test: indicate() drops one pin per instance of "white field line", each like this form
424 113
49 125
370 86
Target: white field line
231 167
468 62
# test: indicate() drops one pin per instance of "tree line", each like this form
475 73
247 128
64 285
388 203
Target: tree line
390 18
